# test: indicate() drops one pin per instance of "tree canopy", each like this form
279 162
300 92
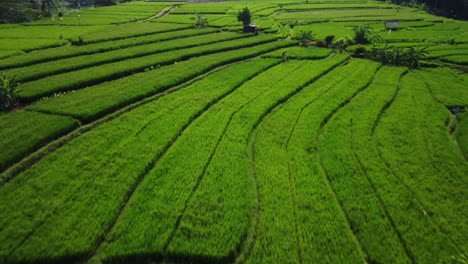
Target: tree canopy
450 8
244 16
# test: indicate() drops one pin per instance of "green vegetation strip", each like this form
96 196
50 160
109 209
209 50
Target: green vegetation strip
72 51
23 132
294 196
355 191
461 133
415 144
130 30
310 53
457 59
150 236
45 69
223 204
10 53
204 133
419 237
76 197
93 75
447 86
93 102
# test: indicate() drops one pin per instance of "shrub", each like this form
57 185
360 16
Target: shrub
321 44
359 52
106 2
342 43
362 34
329 40
81 40
8 92
398 56
305 37
201 21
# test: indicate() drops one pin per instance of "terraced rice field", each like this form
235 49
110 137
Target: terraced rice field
153 141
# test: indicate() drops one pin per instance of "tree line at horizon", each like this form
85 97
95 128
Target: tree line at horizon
14 11
457 9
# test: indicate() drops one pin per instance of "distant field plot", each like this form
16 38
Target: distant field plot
189 19
100 73
457 59
206 8
343 6
418 35
322 30
87 104
446 50
29 38
123 13
137 137
31 44
75 63
129 30
266 11
300 53
67 51
265 24
226 21
347 15
48 32
8 53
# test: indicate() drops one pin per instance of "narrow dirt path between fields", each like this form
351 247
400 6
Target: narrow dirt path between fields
161 14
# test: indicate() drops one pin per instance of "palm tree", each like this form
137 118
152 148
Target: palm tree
415 56
305 38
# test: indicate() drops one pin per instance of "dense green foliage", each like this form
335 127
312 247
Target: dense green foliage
305 38
12 11
244 16
451 8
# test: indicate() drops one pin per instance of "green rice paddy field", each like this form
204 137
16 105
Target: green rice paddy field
154 141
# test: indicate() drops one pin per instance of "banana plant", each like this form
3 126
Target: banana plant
8 92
